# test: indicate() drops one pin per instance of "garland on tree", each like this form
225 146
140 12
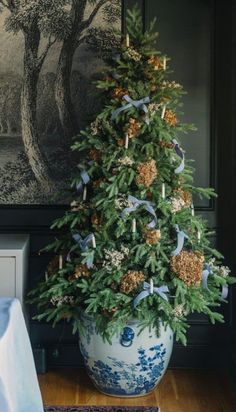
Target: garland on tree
133 245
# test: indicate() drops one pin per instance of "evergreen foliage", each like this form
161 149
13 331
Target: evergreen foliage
132 152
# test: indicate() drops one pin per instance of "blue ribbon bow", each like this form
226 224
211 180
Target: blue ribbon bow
180 153
138 104
180 241
148 290
205 274
136 203
83 243
85 179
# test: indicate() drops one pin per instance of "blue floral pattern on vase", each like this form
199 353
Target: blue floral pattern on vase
138 379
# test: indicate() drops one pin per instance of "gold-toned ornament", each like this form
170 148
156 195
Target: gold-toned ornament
119 93
170 117
152 236
131 280
156 62
147 173
133 128
188 266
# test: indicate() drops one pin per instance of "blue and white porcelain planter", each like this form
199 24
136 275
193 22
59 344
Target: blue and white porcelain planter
132 365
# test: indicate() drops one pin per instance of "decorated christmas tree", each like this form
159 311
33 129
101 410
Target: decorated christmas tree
132 245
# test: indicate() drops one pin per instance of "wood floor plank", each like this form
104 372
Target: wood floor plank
179 391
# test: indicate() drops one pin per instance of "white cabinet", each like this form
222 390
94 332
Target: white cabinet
14 254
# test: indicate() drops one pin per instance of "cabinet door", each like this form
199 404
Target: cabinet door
7 276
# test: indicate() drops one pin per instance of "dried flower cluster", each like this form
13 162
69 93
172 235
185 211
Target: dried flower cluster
188 266
95 219
153 108
156 62
223 271
182 199
122 202
152 236
179 311
120 142
171 85
119 93
125 161
62 300
133 54
170 117
80 270
97 183
166 145
53 265
114 258
147 173
131 280
95 126
95 155
133 128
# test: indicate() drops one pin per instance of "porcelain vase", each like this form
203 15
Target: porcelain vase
133 364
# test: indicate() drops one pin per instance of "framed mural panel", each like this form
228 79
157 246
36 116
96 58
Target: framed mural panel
50 54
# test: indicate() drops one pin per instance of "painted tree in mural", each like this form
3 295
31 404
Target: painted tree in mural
77 35
35 19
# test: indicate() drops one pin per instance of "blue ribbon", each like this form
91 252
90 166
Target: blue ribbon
136 203
148 290
180 153
83 243
205 274
180 241
85 179
138 104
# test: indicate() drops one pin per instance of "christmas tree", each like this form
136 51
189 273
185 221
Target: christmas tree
132 244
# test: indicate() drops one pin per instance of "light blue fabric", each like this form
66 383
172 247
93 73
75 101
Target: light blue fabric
19 389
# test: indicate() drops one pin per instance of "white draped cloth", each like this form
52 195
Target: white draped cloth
19 389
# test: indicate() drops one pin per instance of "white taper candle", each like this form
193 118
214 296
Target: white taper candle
198 235
163 112
133 225
93 241
164 63
60 262
126 141
127 40
192 210
85 193
163 190
151 286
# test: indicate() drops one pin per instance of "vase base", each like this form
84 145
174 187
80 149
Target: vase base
125 396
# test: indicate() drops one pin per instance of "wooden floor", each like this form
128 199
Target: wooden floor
179 391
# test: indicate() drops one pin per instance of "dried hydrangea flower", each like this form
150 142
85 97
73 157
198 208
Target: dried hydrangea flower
147 173
131 280
125 161
188 266
152 236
